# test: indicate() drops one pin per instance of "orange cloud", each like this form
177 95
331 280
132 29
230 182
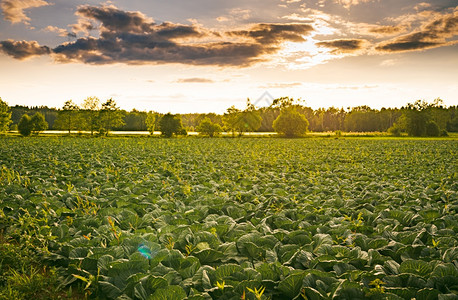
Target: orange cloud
13 10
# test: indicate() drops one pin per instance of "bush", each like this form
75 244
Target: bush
394 130
38 123
207 127
290 123
170 125
25 125
34 124
432 129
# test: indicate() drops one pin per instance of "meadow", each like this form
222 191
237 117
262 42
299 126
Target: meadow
228 218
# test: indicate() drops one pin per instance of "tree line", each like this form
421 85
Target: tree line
285 115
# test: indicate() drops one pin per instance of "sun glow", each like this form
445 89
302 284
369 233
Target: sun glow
304 55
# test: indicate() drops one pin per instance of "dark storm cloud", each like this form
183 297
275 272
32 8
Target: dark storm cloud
433 34
23 49
133 38
343 45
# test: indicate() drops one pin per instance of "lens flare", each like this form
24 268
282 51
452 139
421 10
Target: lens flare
145 251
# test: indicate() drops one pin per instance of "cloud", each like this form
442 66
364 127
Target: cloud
422 6
23 49
389 63
274 33
281 85
353 87
387 30
343 45
348 3
433 33
60 31
195 80
13 10
114 19
132 38
236 14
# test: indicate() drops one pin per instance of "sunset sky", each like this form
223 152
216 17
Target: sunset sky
206 55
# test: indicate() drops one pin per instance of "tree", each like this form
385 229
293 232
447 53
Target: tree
248 120
290 123
207 127
170 125
432 129
5 116
68 118
25 125
38 123
91 107
151 119
135 120
231 118
110 116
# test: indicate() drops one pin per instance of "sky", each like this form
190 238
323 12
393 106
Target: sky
207 55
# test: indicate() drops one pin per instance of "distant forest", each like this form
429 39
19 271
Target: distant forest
356 119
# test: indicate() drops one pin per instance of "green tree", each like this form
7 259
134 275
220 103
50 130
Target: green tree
416 118
5 116
151 119
110 116
38 123
247 120
68 117
135 120
290 123
432 129
170 125
25 125
231 119
91 108
452 124
207 127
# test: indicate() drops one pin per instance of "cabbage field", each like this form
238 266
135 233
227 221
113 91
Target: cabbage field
229 218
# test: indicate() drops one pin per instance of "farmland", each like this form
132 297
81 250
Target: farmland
228 218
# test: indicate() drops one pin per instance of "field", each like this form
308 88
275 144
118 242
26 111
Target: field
228 218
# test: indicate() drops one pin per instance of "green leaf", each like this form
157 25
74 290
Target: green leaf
109 290
348 290
392 267
416 267
189 267
291 285
427 294
225 271
208 255
444 270
172 292
321 240
312 294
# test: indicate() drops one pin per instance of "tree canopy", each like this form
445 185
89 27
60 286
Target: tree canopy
170 125
290 123
69 117
110 116
35 124
207 127
5 116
